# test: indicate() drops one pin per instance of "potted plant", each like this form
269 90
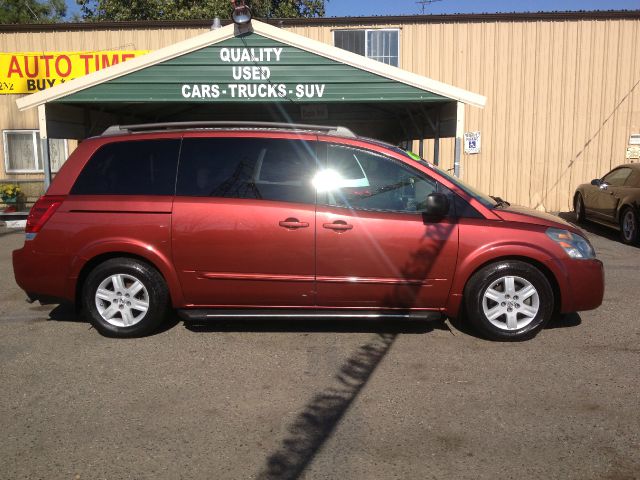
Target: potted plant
10 194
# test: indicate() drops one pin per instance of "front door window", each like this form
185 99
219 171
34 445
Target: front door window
375 249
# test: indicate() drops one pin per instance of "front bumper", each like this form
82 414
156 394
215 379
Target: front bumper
584 285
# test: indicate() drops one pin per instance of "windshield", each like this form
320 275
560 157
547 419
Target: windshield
483 198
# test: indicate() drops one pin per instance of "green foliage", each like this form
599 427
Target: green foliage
32 11
96 10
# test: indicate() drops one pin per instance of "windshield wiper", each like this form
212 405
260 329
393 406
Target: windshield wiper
500 202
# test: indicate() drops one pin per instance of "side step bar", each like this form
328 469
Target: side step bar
219 314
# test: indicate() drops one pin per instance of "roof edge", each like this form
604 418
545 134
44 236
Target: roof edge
323 21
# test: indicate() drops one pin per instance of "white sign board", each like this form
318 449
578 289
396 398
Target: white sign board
471 143
633 152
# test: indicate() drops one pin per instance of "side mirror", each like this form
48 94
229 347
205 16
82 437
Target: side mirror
596 182
436 205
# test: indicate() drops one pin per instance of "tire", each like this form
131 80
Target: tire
629 226
495 305
578 208
116 294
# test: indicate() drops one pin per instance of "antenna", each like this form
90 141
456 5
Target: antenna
32 12
424 3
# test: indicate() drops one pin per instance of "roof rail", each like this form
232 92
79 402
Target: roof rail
141 127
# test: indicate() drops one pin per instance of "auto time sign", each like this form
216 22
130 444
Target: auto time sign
31 72
250 76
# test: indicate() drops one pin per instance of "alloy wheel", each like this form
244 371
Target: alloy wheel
629 225
122 300
510 303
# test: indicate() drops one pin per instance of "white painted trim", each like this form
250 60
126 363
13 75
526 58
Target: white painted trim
266 30
460 120
457 154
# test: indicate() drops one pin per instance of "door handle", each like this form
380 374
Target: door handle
338 225
293 223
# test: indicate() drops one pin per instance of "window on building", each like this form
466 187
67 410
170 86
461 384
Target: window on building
23 151
381 44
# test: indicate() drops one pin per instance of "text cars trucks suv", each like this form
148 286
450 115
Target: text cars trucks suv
272 222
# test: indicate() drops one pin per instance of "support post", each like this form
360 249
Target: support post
44 146
459 135
436 140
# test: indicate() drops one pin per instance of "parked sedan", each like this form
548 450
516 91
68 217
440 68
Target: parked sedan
613 201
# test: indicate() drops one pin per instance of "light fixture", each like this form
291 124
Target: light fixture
241 14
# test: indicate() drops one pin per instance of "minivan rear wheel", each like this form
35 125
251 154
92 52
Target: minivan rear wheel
509 300
124 297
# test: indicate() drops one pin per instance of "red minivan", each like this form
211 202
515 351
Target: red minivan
290 221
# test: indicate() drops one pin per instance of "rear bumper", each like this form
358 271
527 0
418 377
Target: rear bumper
583 287
42 276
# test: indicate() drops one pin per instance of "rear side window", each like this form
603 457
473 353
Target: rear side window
256 168
146 167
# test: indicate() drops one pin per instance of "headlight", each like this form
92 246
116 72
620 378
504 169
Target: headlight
575 245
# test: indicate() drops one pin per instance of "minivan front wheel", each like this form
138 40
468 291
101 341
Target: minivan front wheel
124 297
509 300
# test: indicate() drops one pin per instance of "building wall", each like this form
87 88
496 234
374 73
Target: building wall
563 93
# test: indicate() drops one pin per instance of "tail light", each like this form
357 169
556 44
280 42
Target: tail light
41 212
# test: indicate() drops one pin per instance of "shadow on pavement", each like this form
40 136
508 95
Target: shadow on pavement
10 231
566 320
320 416
66 312
558 320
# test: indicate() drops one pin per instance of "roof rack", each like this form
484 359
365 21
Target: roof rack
142 127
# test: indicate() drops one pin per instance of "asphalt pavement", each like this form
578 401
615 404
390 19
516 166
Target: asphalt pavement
322 400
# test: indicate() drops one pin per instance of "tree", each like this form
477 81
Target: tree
97 10
32 11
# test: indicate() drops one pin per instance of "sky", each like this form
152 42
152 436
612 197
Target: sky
342 8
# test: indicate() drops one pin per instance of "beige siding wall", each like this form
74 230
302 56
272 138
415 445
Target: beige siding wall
562 99
563 96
